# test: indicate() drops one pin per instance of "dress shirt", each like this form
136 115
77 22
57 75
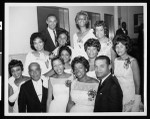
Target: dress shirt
51 32
38 88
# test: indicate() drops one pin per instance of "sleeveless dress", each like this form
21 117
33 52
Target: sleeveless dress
41 60
15 89
80 95
124 74
79 46
106 49
61 95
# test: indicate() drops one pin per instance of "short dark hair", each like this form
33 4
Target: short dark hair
81 60
103 24
92 43
87 18
62 48
63 31
14 63
57 58
49 15
33 37
124 39
103 57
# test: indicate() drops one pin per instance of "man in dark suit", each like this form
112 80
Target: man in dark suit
109 94
51 32
33 95
122 30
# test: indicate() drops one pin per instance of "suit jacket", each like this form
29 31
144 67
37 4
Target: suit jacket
49 45
28 100
120 32
109 96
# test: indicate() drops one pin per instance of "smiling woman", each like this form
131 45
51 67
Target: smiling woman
15 82
57 87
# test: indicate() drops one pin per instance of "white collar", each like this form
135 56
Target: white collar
105 78
50 30
37 82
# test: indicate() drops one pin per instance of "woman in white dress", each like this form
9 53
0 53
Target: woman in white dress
38 54
92 47
65 53
15 81
83 89
83 34
57 87
101 32
128 74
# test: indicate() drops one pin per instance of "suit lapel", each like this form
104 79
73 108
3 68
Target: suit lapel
102 86
49 37
33 92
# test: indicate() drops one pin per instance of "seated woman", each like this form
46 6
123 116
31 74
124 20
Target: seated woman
92 47
83 89
15 81
57 87
65 53
38 54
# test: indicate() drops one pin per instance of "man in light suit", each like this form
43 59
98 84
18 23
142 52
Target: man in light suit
109 94
33 95
122 30
51 33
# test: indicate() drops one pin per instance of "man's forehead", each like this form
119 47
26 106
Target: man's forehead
100 61
34 66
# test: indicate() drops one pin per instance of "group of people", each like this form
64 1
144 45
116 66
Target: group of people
96 75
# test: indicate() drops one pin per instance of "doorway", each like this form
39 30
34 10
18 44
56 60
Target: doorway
109 20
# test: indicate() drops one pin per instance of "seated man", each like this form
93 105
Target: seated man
33 95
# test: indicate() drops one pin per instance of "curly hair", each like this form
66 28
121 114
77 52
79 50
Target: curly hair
33 37
103 24
62 48
14 63
92 43
81 60
63 31
86 16
103 57
124 39
56 58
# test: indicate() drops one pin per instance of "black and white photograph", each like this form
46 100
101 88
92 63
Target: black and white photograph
75 59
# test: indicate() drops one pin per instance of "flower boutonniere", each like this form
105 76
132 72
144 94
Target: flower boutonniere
127 63
68 83
91 93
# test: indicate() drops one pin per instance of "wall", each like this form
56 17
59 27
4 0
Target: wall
23 22
73 10
127 13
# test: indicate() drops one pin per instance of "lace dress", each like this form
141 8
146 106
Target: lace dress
79 43
106 49
60 93
124 74
80 94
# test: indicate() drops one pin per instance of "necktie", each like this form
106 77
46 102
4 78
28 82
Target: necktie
55 37
100 83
